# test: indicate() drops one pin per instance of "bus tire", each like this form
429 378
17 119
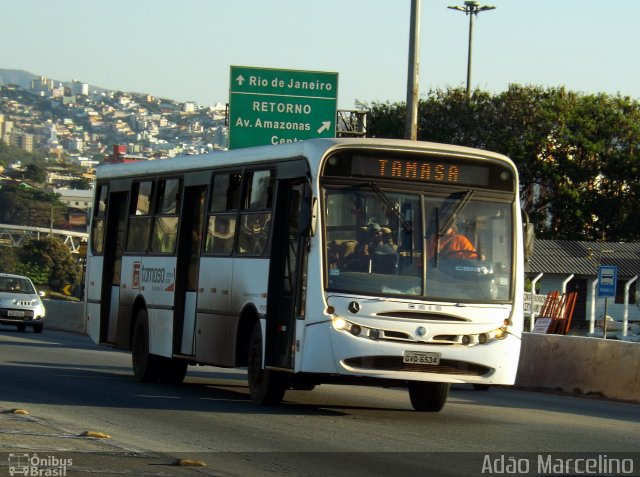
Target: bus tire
266 387
428 397
147 367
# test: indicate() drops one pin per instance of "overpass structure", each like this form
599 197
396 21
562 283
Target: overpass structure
15 235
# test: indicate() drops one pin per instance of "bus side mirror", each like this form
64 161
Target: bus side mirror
308 218
314 217
308 213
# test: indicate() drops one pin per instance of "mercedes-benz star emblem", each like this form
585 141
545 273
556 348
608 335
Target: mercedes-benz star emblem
354 307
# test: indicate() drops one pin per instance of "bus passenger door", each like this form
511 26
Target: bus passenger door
113 247
188 266
286 275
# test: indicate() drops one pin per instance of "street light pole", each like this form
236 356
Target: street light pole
411 121
471 8
469 55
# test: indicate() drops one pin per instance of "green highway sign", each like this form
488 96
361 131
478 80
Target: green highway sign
274 106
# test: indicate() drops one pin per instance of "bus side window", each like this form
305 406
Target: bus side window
223 211
98 226
139 224
255 217
165 224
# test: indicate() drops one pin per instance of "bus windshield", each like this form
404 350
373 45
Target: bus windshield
445 247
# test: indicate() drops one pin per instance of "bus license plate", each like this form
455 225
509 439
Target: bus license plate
420 357
18 313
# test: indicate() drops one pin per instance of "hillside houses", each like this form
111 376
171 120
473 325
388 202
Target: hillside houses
83 123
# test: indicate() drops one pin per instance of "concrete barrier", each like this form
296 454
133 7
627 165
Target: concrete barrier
65 316
582 365
573 364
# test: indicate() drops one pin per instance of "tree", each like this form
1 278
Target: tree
453 118
10 154
23 205
593 169
8 259
80 184
386 120
35 173
50 253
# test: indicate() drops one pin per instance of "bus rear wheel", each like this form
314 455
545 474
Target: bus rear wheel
266 387
147 367
428 397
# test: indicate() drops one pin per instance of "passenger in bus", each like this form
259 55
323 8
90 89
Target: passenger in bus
383 254
376 244
374 256
254 232
220 235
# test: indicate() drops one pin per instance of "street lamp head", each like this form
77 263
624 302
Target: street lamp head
472 7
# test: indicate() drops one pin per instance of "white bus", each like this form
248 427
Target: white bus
314 262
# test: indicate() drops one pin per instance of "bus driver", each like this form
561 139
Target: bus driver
455 245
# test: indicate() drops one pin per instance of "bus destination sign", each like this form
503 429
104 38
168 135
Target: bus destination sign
275 106
420 170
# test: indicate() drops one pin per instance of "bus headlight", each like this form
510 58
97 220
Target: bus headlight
501 333
476 339
340 324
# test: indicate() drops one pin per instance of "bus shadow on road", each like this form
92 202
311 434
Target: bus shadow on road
114 386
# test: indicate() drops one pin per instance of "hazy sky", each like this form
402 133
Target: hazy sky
183 49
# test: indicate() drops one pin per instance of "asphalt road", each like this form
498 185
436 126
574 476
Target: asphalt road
69 386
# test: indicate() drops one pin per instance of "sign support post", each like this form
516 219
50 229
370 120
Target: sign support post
607 281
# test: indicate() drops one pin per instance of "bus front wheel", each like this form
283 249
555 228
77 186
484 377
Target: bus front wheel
174 371
146 366
428 397
266 387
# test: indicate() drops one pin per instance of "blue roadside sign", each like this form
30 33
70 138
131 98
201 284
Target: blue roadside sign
607 280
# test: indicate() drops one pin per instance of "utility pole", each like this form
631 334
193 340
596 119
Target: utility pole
411 123
471 8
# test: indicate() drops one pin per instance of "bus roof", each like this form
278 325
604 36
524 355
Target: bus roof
312 149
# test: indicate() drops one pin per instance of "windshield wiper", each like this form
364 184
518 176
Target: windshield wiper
385 199
461 205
